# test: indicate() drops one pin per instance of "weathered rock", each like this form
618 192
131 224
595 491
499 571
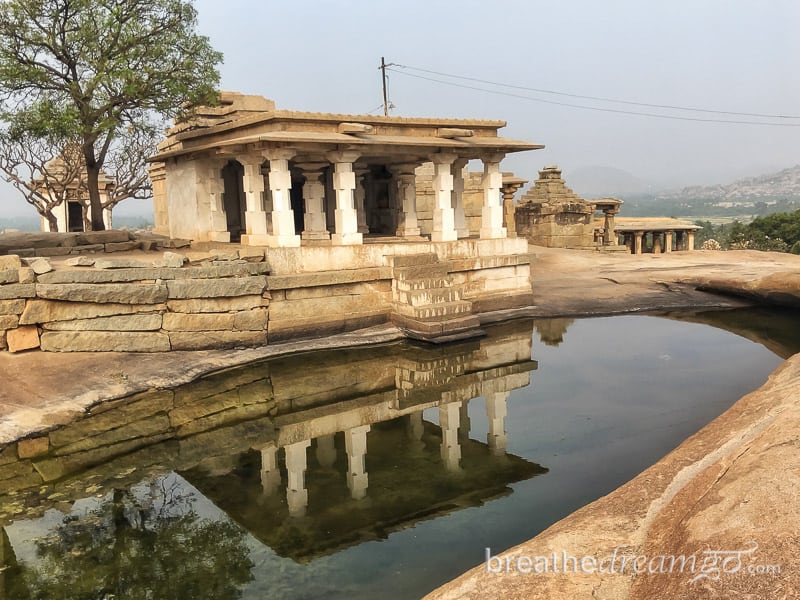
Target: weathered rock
17 290
23 252
79 261
251 320
219 254
9 276
45 311
120 263
199 322
199 340
177 243
218 305
104 292
104 341
135 322
89 249
103 237
33 447
121 431
38 264
8 321
11 261
250 254
216 288
172 260
115 275
12 307
57 251
22 338
26 275
122 246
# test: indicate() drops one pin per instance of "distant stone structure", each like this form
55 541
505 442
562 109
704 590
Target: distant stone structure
551 214
656 234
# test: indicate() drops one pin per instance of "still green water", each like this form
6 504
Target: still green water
373 472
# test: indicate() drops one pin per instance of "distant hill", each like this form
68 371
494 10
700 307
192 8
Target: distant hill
598 181
784 184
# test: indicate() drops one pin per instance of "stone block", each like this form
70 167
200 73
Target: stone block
122 246
202 340
9 276
38 264
12 307
253 255
45 311
219 254
26 275
198 322
9 321
33 447
203 407
123 432
171 260
22 338
251 320
122 293
23 252
104 341
255 392
10 262
59 251
216 288
102 237
134 322
88 249
218 305
120 263
115 275
328 307
17 290
216 383
79 261
233 415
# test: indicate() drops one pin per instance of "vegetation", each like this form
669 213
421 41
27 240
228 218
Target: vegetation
778 232
97 74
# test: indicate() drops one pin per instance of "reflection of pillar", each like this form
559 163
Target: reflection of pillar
314 225
326 450
459 215
492 212
464 423
637 248
443 229
451 449
296 493
270 474
690 241
496 410
415 426
355 442
667 241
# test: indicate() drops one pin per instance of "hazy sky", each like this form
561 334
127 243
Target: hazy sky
740 56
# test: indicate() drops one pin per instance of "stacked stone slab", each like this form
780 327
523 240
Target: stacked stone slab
27 244
427 303
551 214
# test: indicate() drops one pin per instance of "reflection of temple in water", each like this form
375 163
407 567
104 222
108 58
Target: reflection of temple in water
552 331
310 453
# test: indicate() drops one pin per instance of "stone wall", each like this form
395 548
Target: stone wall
473 199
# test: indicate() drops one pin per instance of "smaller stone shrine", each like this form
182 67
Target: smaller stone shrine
551 214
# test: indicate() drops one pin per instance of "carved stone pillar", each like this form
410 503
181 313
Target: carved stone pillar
443 217
362 174
406 185
215 188
459 215
492 212
296 493
667 241
255 215
344 183
637 248
280 185
689 241
314 225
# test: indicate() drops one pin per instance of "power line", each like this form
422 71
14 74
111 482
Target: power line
600 109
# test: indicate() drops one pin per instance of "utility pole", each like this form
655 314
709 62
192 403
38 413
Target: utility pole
383 77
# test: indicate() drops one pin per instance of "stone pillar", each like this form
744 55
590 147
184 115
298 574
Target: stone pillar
510 187
255 215
459 215
492 213
608 226
690 241
496 410
637 247
451 449
667 241
326 450
464 423
656 242
344 183
406 185
270 473
296 493
280 185
215 188
628 237
443 216
362 173
355 441
314 225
